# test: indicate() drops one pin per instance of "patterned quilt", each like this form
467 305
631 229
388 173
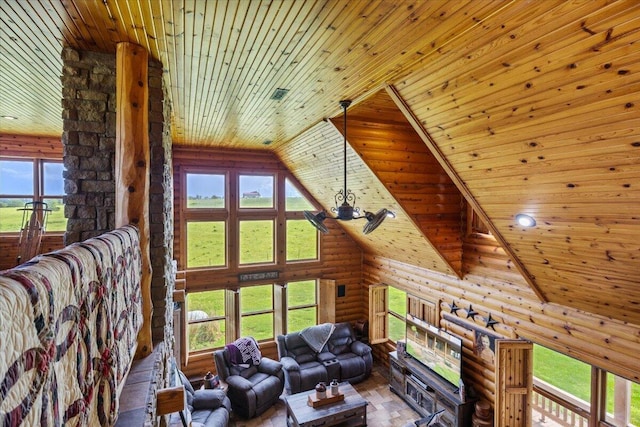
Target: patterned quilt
69 321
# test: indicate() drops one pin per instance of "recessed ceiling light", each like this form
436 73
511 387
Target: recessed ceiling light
525 220
9 117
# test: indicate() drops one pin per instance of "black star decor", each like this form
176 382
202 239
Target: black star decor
471 312
490 321
454 308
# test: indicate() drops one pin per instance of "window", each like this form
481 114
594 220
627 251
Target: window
302 240
294 200
563 388
397 314
623 401
256 241
23 181
256 191
475 224
206 215
302 305
206 320
205 191
256 312
206 245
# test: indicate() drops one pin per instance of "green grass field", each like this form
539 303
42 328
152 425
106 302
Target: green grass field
256 299
11 217
574 377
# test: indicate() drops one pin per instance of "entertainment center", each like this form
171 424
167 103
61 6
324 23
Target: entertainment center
427 392
426 369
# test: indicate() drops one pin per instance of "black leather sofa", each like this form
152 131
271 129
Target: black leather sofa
342 358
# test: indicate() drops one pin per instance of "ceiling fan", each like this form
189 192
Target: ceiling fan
345 199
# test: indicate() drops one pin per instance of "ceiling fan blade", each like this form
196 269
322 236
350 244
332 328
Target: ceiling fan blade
317 220
373 221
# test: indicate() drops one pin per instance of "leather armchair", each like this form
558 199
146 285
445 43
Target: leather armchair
253 389
208 407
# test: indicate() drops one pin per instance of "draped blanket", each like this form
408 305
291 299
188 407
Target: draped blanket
317 336
69 322
244 351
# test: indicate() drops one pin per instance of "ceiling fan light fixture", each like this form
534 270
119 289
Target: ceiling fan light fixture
345 200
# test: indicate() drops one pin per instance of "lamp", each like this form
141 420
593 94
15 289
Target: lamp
345 199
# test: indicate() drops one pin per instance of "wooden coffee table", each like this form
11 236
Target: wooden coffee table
352 411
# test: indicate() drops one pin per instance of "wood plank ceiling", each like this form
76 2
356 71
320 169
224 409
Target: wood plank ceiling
528 106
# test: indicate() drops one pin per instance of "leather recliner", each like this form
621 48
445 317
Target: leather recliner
253 389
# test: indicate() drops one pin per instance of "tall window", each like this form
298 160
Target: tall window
206 319
23 181
302 305
397 314
256 312
206 214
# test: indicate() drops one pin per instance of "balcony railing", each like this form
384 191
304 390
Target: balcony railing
554 404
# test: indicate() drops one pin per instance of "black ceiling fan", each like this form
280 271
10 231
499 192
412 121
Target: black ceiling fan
345 199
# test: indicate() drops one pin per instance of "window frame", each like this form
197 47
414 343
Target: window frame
38 195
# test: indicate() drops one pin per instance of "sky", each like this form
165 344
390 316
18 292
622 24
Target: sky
206 185
16 178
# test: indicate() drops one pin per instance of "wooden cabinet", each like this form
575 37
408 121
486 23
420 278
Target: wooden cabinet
427 393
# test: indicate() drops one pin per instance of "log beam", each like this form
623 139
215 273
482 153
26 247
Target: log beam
132 165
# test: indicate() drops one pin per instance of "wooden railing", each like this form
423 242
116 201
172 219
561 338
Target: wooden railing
557 405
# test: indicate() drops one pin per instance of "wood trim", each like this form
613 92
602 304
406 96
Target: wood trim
132 166
31 147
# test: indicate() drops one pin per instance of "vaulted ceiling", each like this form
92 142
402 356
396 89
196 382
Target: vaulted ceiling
514 106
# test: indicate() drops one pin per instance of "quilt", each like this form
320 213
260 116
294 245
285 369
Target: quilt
69 322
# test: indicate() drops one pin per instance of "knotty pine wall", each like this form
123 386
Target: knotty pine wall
341 258
15 147
492 286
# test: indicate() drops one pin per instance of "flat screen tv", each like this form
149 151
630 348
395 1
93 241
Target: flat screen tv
435 348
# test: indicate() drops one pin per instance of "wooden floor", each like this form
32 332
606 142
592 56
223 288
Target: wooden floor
385 409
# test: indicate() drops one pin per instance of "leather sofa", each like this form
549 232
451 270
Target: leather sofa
342 358
208 408
253 389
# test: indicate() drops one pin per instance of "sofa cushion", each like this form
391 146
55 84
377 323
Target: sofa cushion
351 365
305 358
244 372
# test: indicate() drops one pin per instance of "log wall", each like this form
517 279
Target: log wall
492 287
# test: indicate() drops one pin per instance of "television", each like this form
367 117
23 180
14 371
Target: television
435 348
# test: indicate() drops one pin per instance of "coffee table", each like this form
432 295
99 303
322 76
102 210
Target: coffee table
352 411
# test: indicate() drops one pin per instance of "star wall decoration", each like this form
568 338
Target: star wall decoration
490 321
454 308
471 312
